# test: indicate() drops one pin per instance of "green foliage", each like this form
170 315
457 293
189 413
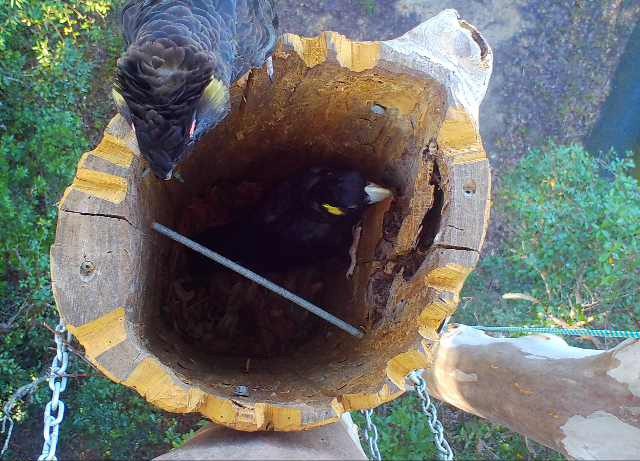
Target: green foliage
110 419
369 6
176 438
42 132
572 242
571 225
404 433
51 57
41 138
477 439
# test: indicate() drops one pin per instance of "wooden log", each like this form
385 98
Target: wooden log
583 403
337 441
405 112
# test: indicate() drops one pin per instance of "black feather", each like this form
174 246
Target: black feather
174 50
291 228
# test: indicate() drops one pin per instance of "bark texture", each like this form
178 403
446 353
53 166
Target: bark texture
404 112
583 403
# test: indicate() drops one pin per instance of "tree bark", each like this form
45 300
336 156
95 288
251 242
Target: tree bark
583 403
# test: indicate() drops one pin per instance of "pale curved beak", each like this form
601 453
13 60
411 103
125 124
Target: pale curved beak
376 193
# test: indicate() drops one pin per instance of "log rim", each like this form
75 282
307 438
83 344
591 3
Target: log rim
459 145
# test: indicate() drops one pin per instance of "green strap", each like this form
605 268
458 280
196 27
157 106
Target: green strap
564 331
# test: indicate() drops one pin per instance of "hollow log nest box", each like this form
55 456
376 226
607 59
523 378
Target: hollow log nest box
405 112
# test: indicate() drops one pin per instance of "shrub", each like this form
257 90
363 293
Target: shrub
572 242
50 59
571 226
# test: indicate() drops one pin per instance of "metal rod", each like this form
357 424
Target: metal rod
204 251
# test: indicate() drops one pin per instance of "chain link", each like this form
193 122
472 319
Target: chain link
371 435
429 409
54 410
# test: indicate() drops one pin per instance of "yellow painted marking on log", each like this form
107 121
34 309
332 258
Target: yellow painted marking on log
157 386
401 365
338 407
356 56
227 413
448 278
431 318
101 185
312 51
458 130
459 138
466 156
260 417
113 150
121 130
352 402
269 417
101 334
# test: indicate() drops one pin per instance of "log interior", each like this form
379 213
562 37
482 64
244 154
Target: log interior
374 120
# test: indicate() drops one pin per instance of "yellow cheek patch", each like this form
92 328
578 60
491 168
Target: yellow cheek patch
334 210
216 93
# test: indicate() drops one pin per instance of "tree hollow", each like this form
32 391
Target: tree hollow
238 354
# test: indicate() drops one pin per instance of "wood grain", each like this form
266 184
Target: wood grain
374 106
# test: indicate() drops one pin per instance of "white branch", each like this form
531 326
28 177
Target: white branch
583 403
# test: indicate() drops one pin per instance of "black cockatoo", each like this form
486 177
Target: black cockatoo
172 83
305 219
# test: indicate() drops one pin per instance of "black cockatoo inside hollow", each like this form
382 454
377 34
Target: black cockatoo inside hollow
305 219
172 83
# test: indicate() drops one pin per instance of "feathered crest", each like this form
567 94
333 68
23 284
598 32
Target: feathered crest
164 76
173 82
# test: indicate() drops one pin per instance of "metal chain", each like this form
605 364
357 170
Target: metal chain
429 409
54 410
371 435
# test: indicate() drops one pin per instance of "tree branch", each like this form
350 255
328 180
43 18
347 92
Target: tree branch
583 403
22 393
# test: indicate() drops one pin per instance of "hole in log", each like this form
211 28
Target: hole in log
226 314
469 187
222 332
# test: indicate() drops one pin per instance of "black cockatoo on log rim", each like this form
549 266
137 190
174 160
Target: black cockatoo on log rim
172 83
